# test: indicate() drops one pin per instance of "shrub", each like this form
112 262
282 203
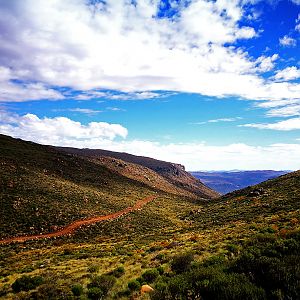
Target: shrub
160 256
133 285
160 270
93 268
95 293
26 283
150 275
51 291
103 282
118 272
77 289
182 262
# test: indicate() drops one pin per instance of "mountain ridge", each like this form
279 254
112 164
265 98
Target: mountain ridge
173 172
228 181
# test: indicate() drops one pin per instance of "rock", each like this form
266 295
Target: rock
146 289
256 192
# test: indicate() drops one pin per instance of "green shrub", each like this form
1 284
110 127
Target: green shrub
182 262
51 291
103 282
93 268
160 270
77 289
126 293
160 256
134 285
118 272
26 283
150 275
95 293
232 248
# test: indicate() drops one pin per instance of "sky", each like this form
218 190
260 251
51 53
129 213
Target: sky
213 85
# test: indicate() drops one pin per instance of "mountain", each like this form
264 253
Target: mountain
228 181
171 172
77 226
43 188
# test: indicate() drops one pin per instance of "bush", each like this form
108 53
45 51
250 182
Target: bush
26 283
103 282
134 285
118 272
150 275
95 293
93 269
51 291
182 262
160 270
77 289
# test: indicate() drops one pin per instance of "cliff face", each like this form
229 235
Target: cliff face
172 172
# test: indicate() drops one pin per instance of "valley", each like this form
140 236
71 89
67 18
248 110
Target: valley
154 229
228 181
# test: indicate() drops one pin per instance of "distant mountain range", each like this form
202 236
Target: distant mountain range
227 181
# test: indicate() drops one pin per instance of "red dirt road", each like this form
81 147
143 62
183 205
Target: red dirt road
69 229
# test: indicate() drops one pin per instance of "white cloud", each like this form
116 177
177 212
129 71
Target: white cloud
286 111
59 130
17 92
288 73
266 63
138 95
218 120
87 111
297 27
195 156
287 41
286 125
115 109
121 46
281 108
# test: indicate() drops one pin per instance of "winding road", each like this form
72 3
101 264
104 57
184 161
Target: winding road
69 229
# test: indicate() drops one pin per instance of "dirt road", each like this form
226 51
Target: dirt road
69 229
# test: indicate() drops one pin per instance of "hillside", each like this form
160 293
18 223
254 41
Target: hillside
173 173
43 188
243 245
225 181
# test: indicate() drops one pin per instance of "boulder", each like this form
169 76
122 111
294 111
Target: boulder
146 289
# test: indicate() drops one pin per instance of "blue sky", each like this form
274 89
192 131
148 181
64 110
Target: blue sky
210 84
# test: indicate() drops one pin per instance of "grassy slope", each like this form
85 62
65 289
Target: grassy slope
149 238
42 188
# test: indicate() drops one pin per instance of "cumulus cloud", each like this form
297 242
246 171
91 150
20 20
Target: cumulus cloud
286 125
200 156
287 41
288 73
58 131
195 156
266 63
123 45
